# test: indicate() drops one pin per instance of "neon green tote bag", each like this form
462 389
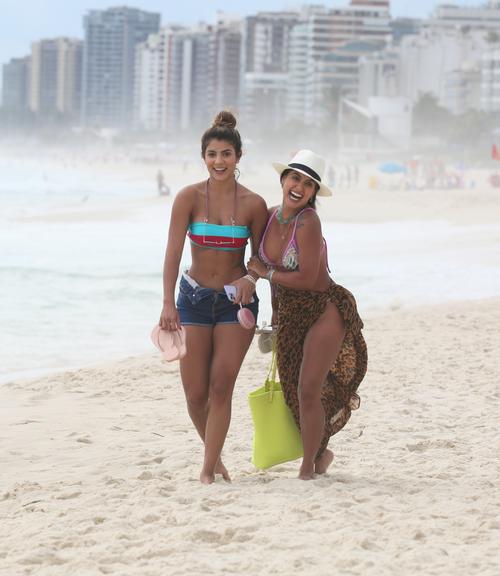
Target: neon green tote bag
276 438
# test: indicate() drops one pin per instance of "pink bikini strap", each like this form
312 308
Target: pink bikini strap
268 223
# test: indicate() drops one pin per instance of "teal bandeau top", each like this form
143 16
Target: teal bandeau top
218 236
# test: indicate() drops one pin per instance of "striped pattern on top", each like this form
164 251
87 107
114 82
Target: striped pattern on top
218 236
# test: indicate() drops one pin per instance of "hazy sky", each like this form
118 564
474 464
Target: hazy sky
22 21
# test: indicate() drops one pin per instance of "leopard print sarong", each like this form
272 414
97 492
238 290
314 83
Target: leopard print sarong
297 312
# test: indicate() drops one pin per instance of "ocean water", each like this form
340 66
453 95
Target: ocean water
81 260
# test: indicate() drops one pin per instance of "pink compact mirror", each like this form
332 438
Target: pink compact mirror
246 318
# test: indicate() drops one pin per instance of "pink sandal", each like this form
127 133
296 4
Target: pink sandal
172 343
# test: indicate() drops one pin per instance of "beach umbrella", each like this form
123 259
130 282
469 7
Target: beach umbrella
392 168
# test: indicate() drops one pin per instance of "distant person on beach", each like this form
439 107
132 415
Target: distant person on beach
163 189
219 216
321 353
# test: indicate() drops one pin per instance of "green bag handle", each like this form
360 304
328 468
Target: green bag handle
271 375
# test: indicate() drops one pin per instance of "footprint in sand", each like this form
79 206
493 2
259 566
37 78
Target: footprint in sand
157 460
167 490
208 536
367 545
229 535
150 519
109 481
98 520
69 496
145 476
84 440
50 559
428 444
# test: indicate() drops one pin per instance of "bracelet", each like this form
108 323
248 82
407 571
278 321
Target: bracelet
250 278
249 273
269 274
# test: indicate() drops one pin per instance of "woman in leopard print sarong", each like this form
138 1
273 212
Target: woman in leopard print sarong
321 352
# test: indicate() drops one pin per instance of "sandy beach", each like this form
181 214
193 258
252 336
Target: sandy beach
99 468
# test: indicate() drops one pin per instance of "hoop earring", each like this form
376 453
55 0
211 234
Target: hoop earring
237 173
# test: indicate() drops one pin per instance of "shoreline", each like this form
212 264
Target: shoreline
101 467
369 315
392 248
358 203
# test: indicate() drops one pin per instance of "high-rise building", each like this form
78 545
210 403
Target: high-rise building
401 27
224 90
44 78
339 72
69 77
297 72
490 80
55 78
361 20
451 16
184 76
462 88
151 84
15 85
364 23
264 66
379 75
188 79
427 61
111 38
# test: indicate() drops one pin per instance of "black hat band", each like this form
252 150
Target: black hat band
305 169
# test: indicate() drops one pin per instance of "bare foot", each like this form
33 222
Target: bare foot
221 469
306 473
321 465
206 478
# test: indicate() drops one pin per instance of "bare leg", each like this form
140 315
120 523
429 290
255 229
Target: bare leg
231 343
195 371
321 348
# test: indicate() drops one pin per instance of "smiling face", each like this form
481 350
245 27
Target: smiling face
220 159
298 189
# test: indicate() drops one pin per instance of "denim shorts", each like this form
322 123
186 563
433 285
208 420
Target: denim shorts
199 306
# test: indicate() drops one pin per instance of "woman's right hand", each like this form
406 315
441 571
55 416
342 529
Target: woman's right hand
169 318
257 266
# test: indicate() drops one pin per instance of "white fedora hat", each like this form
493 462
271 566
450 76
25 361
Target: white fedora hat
309 164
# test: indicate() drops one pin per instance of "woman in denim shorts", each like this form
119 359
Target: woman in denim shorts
219 216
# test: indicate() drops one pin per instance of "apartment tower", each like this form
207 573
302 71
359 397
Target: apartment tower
109 62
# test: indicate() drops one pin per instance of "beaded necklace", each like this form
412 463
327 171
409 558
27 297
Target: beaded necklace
281 220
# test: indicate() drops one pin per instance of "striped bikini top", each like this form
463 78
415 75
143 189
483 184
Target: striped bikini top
219 236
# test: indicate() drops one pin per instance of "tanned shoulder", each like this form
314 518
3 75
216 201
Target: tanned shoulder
252 197
308 219
190 192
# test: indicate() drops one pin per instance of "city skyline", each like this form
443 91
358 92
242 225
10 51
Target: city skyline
131 72
63 19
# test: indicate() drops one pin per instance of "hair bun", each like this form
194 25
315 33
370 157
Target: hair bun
225 118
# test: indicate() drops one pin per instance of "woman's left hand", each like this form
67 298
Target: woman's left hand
244 290
257 266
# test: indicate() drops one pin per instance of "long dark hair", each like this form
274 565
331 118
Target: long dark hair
223 128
